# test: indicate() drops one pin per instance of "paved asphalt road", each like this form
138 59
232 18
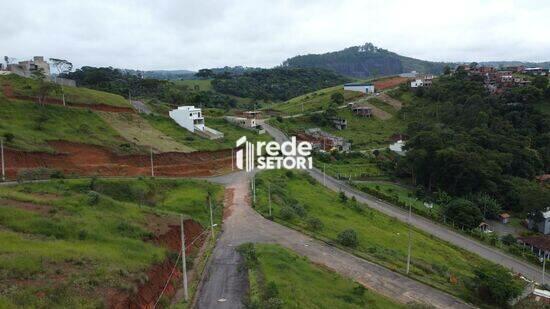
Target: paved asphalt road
528 270
225 283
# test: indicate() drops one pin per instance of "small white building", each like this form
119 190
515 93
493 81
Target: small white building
364 88
397 147
188 117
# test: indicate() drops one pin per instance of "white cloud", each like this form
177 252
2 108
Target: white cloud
196 34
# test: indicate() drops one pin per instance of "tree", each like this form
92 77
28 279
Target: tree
496 285
348 238
337 98
540 82
43 87
464 213
489 207
205 74
63 67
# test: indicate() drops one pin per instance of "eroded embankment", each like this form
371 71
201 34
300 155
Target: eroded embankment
86 160
159 275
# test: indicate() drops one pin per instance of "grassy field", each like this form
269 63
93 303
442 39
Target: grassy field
383 106
402 194
297 198
302 284
364 133
33 126
25 86
181 135
64 245
138 130
313 101
345 166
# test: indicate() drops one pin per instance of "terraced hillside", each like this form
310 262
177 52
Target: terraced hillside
99 243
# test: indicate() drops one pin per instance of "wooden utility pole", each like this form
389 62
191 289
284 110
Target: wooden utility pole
410 240
3 165
269 194
152 166
324 175
184 266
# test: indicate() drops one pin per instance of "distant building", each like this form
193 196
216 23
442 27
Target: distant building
339 123
26 68
364 88
425 81
536 71
411 74
321 140
542 226
191 118
504 218
397 147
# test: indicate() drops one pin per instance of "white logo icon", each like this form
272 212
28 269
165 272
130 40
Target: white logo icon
287 155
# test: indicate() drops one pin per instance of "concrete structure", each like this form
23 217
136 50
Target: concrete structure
425 81
544 225
362 110
504 218
321 140
190 118
397 147
26 68
339 123
364 88
248 123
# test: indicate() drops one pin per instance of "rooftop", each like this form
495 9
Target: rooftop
358 84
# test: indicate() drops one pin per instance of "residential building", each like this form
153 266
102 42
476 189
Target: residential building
26 68
191 118
542 226
359 87
536 71
425 81
504 218
397 147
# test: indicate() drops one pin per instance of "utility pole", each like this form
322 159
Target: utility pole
152 166
3 164
211 217
410 238
184 266
254 189
543 266
269 194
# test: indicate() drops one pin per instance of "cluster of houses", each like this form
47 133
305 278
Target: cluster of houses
497 80
28 67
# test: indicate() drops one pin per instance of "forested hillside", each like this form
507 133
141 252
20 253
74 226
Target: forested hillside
364 61
276 84
465 141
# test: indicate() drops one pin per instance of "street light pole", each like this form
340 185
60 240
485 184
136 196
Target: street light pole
211 217
184 266
410 236
232 160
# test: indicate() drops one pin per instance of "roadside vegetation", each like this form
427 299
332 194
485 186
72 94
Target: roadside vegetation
72 243
279 278
300 202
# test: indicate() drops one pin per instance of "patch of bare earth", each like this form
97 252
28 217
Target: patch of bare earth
391 101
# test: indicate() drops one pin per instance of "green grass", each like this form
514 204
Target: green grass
381 239
313 101
402 194
25 86
383 106
79 248
181 135
302 284
364 133
34 125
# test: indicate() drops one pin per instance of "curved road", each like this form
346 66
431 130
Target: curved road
225 283
492 254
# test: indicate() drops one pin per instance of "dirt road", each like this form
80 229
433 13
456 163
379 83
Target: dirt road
225 284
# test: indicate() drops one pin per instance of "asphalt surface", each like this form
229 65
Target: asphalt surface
225 284
443 232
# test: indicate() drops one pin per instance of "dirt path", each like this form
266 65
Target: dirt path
225 285
391 101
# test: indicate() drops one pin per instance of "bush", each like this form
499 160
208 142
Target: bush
279 119
299 210
496 285
248 251
314 224
348 238
509 240
9 137
36 174
343 197
93 198
287 213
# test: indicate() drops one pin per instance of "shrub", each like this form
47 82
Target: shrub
35 174
343 197
299 210
509 240
287 213
248 251
314 224
9 137
348 238
93 198
495 284
279 119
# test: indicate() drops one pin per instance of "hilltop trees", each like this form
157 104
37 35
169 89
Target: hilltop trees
43 87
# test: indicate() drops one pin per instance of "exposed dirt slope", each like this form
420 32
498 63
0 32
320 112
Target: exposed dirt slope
82 159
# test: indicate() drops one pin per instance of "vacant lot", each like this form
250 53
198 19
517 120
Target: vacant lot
314 101
33 126
281 275
364 133
95 243
137 130
302 203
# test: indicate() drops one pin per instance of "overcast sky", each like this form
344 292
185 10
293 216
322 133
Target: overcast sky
183 34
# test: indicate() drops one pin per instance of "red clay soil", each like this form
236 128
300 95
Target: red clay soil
389 83
8 92
87 160
149 292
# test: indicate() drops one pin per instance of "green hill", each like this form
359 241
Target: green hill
364 61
